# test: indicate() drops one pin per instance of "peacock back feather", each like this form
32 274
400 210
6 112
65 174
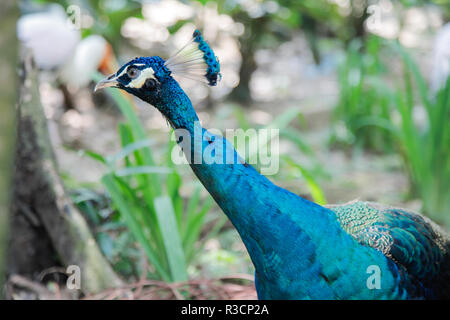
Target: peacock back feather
419 247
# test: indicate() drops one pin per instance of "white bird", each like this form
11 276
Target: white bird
56 43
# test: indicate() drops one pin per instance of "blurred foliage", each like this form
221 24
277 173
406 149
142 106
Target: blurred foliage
364 105
374 115
112 235
425 145
294 168
269 23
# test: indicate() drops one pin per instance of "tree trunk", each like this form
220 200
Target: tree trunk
8 19
248 43
41 209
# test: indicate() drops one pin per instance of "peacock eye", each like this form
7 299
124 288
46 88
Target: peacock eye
150 84
133 72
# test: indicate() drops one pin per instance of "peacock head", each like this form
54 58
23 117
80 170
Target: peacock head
150 78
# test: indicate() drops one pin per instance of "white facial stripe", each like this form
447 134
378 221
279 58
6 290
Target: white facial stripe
139 81
121 74
125 70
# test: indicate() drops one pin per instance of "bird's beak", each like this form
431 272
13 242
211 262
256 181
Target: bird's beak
107 82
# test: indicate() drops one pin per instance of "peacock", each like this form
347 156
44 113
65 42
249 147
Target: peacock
300 250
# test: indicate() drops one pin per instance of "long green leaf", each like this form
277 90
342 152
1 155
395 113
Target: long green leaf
128 171
130 148
133 224
313 187
152 181
169 230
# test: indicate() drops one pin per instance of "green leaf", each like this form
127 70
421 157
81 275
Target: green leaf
313 187
130 148
280 123
172 243
190 252
127 109
93 155
411 65
194 228
130 218
128 171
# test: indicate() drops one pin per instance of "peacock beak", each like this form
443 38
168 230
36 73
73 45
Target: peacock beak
106 83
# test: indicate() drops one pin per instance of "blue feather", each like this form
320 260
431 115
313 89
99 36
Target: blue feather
213 71
196 60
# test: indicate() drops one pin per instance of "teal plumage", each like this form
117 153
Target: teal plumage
300 250
418 246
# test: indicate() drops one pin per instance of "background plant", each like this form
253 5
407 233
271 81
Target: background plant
310 173
364 106
425 142
408 119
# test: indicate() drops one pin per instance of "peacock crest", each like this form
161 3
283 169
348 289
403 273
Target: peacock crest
196 61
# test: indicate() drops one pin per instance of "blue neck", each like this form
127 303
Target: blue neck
288 238
175 105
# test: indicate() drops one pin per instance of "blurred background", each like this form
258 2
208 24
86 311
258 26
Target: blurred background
359 90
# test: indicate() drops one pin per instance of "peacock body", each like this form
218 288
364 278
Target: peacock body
300 250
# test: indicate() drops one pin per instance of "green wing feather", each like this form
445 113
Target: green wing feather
418 246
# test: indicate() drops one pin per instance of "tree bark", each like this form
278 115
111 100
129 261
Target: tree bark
8 19
248 42
41 206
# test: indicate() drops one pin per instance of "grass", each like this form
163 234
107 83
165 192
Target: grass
368 110
425 146
364 104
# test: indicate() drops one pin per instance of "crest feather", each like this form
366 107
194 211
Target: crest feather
195 61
